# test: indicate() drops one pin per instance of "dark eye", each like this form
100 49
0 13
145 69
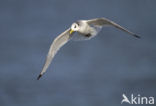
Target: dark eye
75 26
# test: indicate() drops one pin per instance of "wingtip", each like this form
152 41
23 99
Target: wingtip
137 36
39 77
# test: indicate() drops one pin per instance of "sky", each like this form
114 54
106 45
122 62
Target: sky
85 73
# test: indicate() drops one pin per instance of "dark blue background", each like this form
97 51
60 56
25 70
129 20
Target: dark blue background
87 73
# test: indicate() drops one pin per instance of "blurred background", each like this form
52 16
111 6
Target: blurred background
87 73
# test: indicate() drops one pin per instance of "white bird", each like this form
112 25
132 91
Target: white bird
85 29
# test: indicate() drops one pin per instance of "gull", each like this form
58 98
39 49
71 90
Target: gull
79 30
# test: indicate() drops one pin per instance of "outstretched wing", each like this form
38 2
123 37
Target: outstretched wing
55 46
104 21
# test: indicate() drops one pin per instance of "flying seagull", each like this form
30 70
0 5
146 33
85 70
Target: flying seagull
84 30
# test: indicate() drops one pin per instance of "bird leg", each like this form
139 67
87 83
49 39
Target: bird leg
88 35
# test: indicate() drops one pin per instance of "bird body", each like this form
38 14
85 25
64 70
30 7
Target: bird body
85 30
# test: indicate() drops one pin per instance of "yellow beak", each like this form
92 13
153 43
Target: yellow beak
71 31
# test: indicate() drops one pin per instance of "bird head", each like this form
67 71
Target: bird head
74 27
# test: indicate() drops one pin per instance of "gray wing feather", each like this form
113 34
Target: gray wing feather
55 46
104 21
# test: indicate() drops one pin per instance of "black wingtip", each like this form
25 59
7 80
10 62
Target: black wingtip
137 36
39 77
